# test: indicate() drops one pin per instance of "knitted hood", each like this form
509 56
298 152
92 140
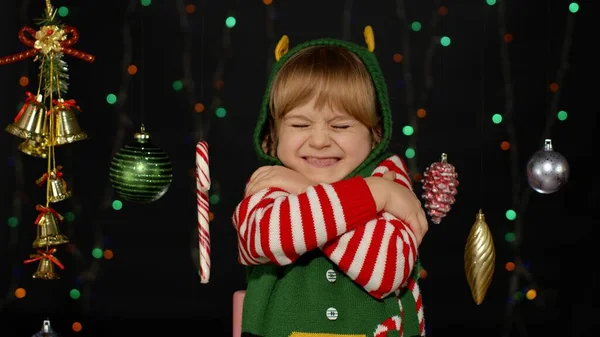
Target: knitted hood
380 152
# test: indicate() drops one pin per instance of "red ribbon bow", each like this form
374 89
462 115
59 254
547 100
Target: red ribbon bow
30 42
45 176
45 255
43 210
70 103
29 98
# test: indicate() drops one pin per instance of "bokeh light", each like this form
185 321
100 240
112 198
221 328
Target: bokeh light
230 22
63 11
132 69
75 294
562 115
20 293
511 214
415 26
497 118
108 254
220 112
111 98
408 130
13 222
573 7
117 205
177 85
190 8
445 41
97 253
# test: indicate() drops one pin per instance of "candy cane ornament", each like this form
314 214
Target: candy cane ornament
202 187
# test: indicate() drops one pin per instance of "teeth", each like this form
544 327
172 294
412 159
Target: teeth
321 161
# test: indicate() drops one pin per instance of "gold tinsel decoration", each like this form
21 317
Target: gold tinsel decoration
480 257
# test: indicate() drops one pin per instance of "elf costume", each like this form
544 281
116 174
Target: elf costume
324 263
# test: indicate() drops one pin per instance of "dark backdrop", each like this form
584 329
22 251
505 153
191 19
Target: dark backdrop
152 281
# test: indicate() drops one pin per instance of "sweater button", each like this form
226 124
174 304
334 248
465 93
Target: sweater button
331 275
332 314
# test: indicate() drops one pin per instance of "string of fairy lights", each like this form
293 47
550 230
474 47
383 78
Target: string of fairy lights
522 284
416 101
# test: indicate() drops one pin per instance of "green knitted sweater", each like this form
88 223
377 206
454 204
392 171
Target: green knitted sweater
289 300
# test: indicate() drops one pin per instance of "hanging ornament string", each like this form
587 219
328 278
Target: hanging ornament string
480 253
142 68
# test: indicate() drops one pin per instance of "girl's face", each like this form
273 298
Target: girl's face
324 145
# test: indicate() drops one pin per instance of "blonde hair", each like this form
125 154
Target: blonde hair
335 75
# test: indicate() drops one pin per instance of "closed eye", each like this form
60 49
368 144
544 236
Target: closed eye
341 127
300 126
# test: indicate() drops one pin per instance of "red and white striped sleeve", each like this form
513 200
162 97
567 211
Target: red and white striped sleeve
380 255
275 226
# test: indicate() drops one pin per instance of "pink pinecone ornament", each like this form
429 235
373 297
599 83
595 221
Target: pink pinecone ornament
439 188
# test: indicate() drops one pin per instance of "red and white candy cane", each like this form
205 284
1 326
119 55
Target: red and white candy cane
202 187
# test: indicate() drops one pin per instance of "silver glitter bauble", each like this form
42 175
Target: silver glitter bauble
547 170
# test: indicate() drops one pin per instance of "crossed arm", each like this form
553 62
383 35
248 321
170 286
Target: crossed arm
348 220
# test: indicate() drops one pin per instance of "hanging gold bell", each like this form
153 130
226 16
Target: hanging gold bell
67 129
48 233
34 148
45 270
58 187
31 121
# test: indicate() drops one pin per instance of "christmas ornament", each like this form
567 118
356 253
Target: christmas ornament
48 233
47 260
33 148
67 129
547 170
439 188
58 190
46 330
141 172
202 187
46 120
31 120
480 256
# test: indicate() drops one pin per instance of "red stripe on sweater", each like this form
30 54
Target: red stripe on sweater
368 265
350 252
285 228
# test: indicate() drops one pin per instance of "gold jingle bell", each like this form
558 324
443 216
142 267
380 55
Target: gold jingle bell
34 148
31 121
67 129
58 186
48 233
45 271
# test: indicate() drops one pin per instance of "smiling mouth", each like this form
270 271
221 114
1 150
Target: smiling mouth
321 162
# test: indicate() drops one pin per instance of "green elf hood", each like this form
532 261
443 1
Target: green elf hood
380 152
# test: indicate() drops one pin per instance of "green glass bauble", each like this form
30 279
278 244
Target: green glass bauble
141 172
